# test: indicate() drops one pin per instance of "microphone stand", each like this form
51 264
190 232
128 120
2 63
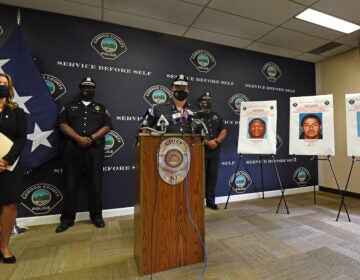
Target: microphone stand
192 135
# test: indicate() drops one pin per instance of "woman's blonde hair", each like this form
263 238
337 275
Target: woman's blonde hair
9 100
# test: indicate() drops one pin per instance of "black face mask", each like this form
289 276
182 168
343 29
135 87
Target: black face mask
206 105
87 95
180 95
4 91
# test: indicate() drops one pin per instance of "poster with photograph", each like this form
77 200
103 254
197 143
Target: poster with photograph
352 105
257 127
312 125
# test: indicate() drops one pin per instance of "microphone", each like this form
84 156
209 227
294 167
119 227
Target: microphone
188 114
162 122
146 117
196 122
176 117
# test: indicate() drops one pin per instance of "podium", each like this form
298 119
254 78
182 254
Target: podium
164 236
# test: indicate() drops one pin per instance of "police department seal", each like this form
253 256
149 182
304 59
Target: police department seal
173 160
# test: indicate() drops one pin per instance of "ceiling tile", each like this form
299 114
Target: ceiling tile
292 40
196 2
87 2
274 12
144 23
345 9
312 29
217 38
275 50
231 25
62 7
170 11
335 51
350 39
310 57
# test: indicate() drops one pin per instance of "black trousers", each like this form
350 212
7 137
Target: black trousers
82 164
212 160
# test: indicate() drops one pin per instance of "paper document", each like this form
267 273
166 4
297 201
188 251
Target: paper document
5 146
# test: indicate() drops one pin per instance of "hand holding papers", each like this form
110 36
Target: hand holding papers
5 146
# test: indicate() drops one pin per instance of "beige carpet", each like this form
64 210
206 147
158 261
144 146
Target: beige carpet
246 241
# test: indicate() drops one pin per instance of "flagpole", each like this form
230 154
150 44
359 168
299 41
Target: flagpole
18 17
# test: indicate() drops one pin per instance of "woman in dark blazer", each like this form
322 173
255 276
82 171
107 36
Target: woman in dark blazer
13 127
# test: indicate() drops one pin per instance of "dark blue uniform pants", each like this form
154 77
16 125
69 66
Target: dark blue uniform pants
212 160
82 164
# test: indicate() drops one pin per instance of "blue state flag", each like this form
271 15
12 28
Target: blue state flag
31 94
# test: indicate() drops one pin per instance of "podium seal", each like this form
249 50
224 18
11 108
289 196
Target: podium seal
173 160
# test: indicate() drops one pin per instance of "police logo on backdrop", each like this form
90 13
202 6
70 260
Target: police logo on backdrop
108 45
41 198
240 181
1 30
301 176
173 158
157 94
55 86
113 143
235 102
271 71
203 60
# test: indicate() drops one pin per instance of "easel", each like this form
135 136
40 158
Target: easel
338 186
233 181
346 186
314 189
262 182
314 158
281 188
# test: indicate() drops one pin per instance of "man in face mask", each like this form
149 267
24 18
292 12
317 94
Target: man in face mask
87 91
84 124
175 115
216 134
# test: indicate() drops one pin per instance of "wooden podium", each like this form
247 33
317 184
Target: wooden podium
164 236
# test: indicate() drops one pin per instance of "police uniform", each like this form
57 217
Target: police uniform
215 125
83 163
179 119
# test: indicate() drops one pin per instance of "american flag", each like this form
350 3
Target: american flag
32 95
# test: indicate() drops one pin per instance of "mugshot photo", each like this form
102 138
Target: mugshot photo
257 127
310 126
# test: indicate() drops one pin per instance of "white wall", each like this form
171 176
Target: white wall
339 75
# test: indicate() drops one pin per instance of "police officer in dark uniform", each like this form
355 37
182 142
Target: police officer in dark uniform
216 134
84 124
173 116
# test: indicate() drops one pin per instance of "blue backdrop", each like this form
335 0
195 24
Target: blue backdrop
131 67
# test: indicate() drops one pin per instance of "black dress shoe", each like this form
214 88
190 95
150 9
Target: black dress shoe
98 221
212 206
63 226
11 259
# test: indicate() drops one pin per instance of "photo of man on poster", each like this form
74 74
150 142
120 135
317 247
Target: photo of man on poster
310 126
257 128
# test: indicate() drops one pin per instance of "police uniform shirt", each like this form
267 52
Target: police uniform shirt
214 124
169 111
85 120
